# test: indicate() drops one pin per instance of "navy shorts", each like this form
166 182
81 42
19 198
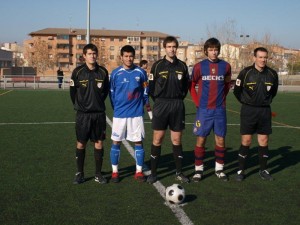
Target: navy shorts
90 126
256 120
210 119
168 113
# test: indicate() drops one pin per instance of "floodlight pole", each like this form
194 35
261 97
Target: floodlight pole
88 23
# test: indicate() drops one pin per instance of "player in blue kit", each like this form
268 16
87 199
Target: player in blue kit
128 95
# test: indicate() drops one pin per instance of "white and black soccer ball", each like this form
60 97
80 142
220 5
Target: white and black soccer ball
175 194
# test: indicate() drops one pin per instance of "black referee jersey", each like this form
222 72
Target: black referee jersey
256 88
89 88
168 80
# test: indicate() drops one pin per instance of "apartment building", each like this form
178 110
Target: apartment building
63 46
6 58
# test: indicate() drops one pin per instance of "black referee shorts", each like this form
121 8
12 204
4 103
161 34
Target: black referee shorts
168 112
256 119
90 126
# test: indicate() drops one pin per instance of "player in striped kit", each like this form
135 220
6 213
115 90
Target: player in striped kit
212 76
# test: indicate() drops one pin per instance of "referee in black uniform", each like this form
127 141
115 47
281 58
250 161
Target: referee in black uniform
89 87
255 88
168 86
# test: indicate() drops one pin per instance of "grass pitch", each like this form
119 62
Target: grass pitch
37 166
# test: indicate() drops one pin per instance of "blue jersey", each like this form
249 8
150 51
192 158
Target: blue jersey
128 91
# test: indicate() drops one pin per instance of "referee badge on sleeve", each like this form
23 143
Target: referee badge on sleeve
99 85
151 76
72 83
238 82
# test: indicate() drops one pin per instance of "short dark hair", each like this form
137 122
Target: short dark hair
90 46
261 49
212 43
127 48
170 39
143 62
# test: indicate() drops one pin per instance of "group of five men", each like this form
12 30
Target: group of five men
168 83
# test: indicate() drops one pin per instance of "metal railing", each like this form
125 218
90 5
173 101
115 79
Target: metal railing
33 82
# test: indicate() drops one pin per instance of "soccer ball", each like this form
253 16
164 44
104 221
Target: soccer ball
175 194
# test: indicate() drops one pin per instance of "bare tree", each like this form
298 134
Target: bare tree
38 56
103 51
225 32
242 55
294 64
276 55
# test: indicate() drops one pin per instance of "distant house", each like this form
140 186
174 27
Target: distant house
65 46
6 58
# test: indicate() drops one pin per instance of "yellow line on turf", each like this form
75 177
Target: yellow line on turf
230 110
279 123
6 92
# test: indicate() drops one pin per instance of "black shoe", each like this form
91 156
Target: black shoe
79 178
198 176
221 175
100 179
240 175
180 177
265 175
151 179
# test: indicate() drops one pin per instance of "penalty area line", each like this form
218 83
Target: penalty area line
176 209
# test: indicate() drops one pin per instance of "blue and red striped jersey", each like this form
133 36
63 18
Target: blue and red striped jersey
213 81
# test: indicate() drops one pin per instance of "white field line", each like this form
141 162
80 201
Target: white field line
148 122
37 123
6 92
178 212
176 209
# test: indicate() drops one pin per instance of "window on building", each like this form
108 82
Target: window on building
120 39
136 47
63 37
64 65
112 39
111 57
80 46
94 39
63 46
112 48
63 55
152 39
80 37
152 48
133 39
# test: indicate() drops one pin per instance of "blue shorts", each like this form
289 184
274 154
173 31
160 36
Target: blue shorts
210 119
